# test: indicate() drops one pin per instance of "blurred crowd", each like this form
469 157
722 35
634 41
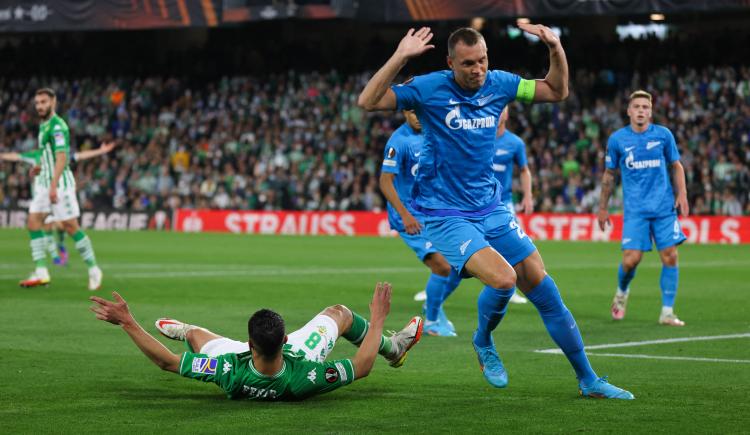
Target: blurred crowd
297 141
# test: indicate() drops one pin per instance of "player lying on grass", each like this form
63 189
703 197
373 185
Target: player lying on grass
272 365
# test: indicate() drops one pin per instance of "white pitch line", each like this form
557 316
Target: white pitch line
678 358
557 351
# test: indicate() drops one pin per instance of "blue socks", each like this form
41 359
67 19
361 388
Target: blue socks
623 278
668 283
434 289
562 327
491 305
454 279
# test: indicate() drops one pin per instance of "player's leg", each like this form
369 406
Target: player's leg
199 339
354 327
66 211
668 235
38 210
516 298
49 241
636 238
439 286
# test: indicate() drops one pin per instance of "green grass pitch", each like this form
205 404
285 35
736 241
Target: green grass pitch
64 371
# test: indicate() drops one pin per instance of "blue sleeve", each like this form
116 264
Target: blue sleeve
520 156
409 95
612 160
671 153
506 83
391 154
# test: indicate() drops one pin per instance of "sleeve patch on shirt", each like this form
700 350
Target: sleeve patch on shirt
205 365
391 163
391 152
342 371
332 375
59 138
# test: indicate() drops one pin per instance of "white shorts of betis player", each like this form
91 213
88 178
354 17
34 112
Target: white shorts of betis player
64 209
315 340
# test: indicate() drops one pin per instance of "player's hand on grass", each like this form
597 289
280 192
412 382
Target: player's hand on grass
527 205
411 224
115 312
415 43
603 217
381 302
542 32
53 194
681 204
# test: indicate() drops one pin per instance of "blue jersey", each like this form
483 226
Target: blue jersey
509 150
401 157
644 159
455 168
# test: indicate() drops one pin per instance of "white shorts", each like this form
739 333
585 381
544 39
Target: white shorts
315 341
64 209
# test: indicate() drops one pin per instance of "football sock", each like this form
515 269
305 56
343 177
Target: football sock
358 330
38 248
49 241
491 305
562 327
83 245
668 283
624 278
61 239
434 289
454 279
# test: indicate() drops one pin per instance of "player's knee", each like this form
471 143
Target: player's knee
340 313
441 268
631 261
669 257
502 279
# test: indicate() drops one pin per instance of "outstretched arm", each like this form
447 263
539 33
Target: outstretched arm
377 94
608 186
368 350
103 149
10 157
554 87
117 313
528 199
411 224
678 179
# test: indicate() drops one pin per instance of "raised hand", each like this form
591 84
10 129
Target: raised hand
542 32
415 43
116 312
381 302
108 146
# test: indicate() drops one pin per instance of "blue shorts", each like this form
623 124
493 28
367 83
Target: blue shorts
640 233
458 238
418 243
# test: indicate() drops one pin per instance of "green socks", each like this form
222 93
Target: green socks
38 248
84 247
357 333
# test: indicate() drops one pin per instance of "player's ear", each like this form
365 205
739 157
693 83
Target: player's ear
286 337
449 61
250 344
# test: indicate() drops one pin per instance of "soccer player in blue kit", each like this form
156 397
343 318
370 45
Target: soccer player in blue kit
646 153
457 192
397 175
510 151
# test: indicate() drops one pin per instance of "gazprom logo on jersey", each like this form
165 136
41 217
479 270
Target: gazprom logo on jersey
631 163
454 121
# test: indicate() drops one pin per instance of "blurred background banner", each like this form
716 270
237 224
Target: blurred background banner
425 10
54 15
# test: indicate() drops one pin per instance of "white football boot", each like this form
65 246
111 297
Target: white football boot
173 329
404 340
95 278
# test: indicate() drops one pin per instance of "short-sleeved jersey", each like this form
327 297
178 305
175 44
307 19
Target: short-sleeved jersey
54 137
401 157
644 160
509 151
298 378
455 168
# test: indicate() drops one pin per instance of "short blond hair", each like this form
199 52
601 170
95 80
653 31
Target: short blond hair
640 93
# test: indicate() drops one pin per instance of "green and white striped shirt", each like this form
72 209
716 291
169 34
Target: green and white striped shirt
54 137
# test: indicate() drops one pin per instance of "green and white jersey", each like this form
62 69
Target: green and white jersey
298 378
33 158
54 137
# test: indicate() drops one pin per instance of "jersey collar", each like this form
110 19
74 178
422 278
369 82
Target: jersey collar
261 375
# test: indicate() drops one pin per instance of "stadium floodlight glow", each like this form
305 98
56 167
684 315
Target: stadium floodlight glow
657 17
523 21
